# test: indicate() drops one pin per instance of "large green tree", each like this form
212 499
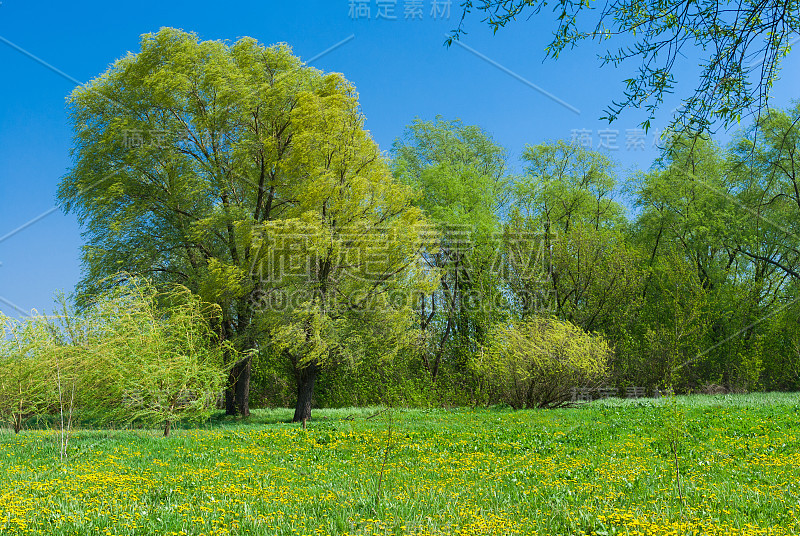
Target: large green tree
460 175
579 266
190 156
766 162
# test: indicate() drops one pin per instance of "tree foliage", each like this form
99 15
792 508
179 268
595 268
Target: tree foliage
196 161
149 357
741 44
132 355
248 179
536 363
460 177
26 386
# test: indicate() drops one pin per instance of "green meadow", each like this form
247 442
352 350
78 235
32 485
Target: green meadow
609 467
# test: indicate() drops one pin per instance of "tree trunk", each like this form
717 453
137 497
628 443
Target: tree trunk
306 378
230 401
237 399
243 389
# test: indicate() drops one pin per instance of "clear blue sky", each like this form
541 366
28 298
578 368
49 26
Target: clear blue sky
400 67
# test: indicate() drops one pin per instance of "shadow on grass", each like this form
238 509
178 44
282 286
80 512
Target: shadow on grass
430 417
218 420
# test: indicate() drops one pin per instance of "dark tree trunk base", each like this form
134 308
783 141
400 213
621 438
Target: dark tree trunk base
306 378
237 400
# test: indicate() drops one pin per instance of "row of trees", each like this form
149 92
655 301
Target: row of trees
247 178
698 287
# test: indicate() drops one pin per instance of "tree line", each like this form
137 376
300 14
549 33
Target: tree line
332 275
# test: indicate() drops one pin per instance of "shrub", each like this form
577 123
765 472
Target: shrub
537 362
25 386
150 357
134 355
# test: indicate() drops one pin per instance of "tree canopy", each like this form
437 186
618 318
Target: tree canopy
199 162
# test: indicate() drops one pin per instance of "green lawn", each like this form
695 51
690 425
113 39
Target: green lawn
603 468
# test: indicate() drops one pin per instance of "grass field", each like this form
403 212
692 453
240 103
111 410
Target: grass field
603 468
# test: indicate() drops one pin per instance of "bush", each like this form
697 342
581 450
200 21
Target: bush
537 363
26 389
134 355
151 357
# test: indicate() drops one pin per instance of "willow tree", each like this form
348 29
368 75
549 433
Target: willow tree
581 265
461 177
26 377
766 160
339 269
148 357
187 150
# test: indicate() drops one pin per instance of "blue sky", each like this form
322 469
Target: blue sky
400 68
